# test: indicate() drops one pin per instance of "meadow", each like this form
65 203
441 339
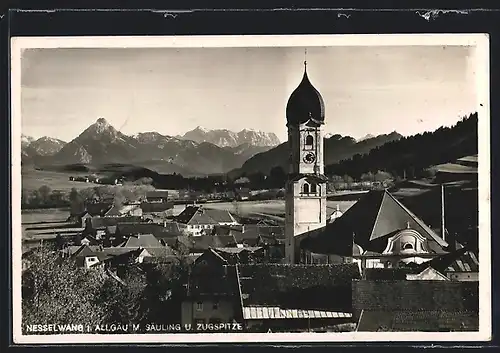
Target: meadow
32 179
270 207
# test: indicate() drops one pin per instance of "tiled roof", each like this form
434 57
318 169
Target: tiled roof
98 208
414 321
142 240
293 286
105 222
260 312
213 281
415 295
153 207
310 178
461 260
200 215
158 230
157 194
371 220
204 242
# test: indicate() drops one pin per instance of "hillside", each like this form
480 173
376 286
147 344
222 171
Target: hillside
337 148
413 155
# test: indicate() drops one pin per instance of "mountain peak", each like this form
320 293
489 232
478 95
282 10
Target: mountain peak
102 121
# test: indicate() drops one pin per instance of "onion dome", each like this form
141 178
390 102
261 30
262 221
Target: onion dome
305 103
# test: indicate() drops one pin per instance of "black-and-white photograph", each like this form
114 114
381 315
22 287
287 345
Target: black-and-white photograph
223 186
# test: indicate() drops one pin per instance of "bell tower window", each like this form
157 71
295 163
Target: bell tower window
313 188
306 188
309 142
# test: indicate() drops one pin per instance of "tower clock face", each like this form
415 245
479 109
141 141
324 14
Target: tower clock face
309 157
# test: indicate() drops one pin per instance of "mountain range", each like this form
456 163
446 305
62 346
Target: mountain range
227 138
197 152
213 152
337 148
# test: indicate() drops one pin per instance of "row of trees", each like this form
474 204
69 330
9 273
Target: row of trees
56 291
412 156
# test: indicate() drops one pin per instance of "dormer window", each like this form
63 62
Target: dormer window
309 142
407 246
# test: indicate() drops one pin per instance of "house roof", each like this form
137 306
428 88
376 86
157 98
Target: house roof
204 242
98 208
371 221
106 222
266 313
157 194
117 211
158 230
461 260
293 286
310 178
143 241
412 321
200 215
213 281
415 295
155 207
86 250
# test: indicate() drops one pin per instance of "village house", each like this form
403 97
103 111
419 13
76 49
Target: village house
197 220
92 209
199 244
157 211
130 210
100 227
270 297
157 196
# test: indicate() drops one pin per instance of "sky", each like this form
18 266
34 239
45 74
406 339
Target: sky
367 90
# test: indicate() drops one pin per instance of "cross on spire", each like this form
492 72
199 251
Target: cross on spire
305 59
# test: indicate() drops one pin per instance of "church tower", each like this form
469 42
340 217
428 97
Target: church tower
305 199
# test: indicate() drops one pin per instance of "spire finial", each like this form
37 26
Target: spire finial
305 59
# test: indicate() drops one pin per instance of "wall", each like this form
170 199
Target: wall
463 276
224 313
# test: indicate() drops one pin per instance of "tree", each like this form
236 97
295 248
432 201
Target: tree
55 291
123 301
367 176
77 204
44 192
347 179
382 176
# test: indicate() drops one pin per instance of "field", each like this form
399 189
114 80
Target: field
45 224
32 179
271 207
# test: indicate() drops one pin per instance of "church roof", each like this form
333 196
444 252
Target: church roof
371 221
312 178
305 103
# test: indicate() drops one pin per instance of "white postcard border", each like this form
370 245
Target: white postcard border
479 41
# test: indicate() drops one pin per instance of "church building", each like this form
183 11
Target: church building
378 231
306 186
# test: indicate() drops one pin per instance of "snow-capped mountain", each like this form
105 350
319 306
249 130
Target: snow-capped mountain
228 138
47 146
101 143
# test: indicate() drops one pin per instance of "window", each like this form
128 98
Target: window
216 305
199 306
407 246
309 142
313 188
306 188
